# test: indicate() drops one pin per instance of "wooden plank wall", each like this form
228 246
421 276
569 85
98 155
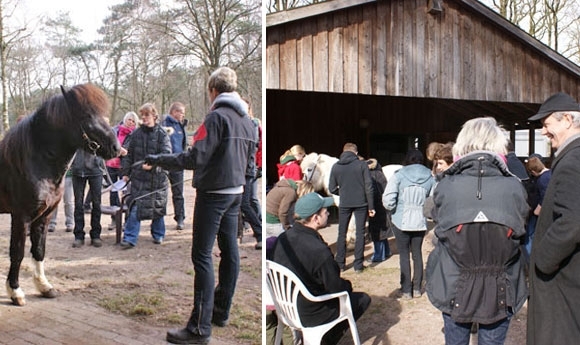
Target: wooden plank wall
397 48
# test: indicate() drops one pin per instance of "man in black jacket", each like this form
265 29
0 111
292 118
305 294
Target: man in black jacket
219 156
350 178
302 250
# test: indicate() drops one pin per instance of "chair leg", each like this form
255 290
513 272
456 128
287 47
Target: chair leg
354 331
279 331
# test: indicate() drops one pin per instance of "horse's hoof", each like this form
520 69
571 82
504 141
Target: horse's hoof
18 301
49 293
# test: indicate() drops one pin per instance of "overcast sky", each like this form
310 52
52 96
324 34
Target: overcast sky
86 15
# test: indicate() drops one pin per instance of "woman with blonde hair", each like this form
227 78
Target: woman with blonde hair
148 183
123 129
475 274
289 166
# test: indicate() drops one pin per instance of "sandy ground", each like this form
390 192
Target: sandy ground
150 283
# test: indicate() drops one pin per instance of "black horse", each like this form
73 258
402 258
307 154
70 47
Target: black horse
34 156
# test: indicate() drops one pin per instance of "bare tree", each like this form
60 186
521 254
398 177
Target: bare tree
213 30
8 37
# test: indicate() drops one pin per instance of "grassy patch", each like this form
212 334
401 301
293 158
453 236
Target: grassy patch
134 304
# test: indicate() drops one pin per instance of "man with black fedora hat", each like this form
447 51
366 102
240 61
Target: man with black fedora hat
302 250
554 304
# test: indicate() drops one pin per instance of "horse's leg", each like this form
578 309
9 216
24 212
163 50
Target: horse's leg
38 231
17 242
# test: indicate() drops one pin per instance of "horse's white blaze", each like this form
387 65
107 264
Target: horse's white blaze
40 280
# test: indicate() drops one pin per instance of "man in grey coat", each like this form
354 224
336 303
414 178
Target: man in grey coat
554 304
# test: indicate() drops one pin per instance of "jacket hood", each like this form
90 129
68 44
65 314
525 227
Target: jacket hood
347 157
373 164
231 100
415 172
470 162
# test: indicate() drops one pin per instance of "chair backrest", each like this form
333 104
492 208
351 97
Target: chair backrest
285 286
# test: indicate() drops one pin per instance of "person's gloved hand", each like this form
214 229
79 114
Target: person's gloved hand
152 159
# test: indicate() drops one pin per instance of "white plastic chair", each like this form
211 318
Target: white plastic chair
284 286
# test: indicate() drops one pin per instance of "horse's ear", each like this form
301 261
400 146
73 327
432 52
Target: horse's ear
67 99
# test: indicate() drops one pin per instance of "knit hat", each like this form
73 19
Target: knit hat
310 204
557 102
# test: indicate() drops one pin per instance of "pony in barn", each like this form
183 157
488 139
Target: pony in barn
316 169
34 156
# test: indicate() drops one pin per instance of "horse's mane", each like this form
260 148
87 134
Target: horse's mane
56 112
87 98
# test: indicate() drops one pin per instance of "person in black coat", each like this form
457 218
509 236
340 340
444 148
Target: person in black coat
351 180
378 225
222 147
303 251
148 183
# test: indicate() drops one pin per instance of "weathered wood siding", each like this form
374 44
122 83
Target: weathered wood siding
397 48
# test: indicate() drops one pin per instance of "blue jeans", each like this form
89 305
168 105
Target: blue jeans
248 211
115 175
254 199
458 333
382 251
133 226
214 215
530 231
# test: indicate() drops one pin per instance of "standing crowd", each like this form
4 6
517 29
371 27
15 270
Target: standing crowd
505 232
225 156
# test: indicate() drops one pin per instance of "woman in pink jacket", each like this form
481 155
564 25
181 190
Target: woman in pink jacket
130 121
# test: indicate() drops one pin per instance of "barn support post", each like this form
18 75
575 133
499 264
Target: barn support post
531 139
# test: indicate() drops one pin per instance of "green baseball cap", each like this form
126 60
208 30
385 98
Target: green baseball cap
310 204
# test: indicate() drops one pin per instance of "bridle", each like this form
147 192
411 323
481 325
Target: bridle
310 173
91 144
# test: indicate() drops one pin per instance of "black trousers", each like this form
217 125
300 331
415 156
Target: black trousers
95 184
360 217
176 181
359 302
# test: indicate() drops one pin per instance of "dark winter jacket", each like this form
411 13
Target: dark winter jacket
350 179
377 223
476 272
554 305
178 138
86 164
304 252
221 148
252 167
143 141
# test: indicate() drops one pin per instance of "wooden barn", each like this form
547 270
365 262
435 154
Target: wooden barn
390 75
